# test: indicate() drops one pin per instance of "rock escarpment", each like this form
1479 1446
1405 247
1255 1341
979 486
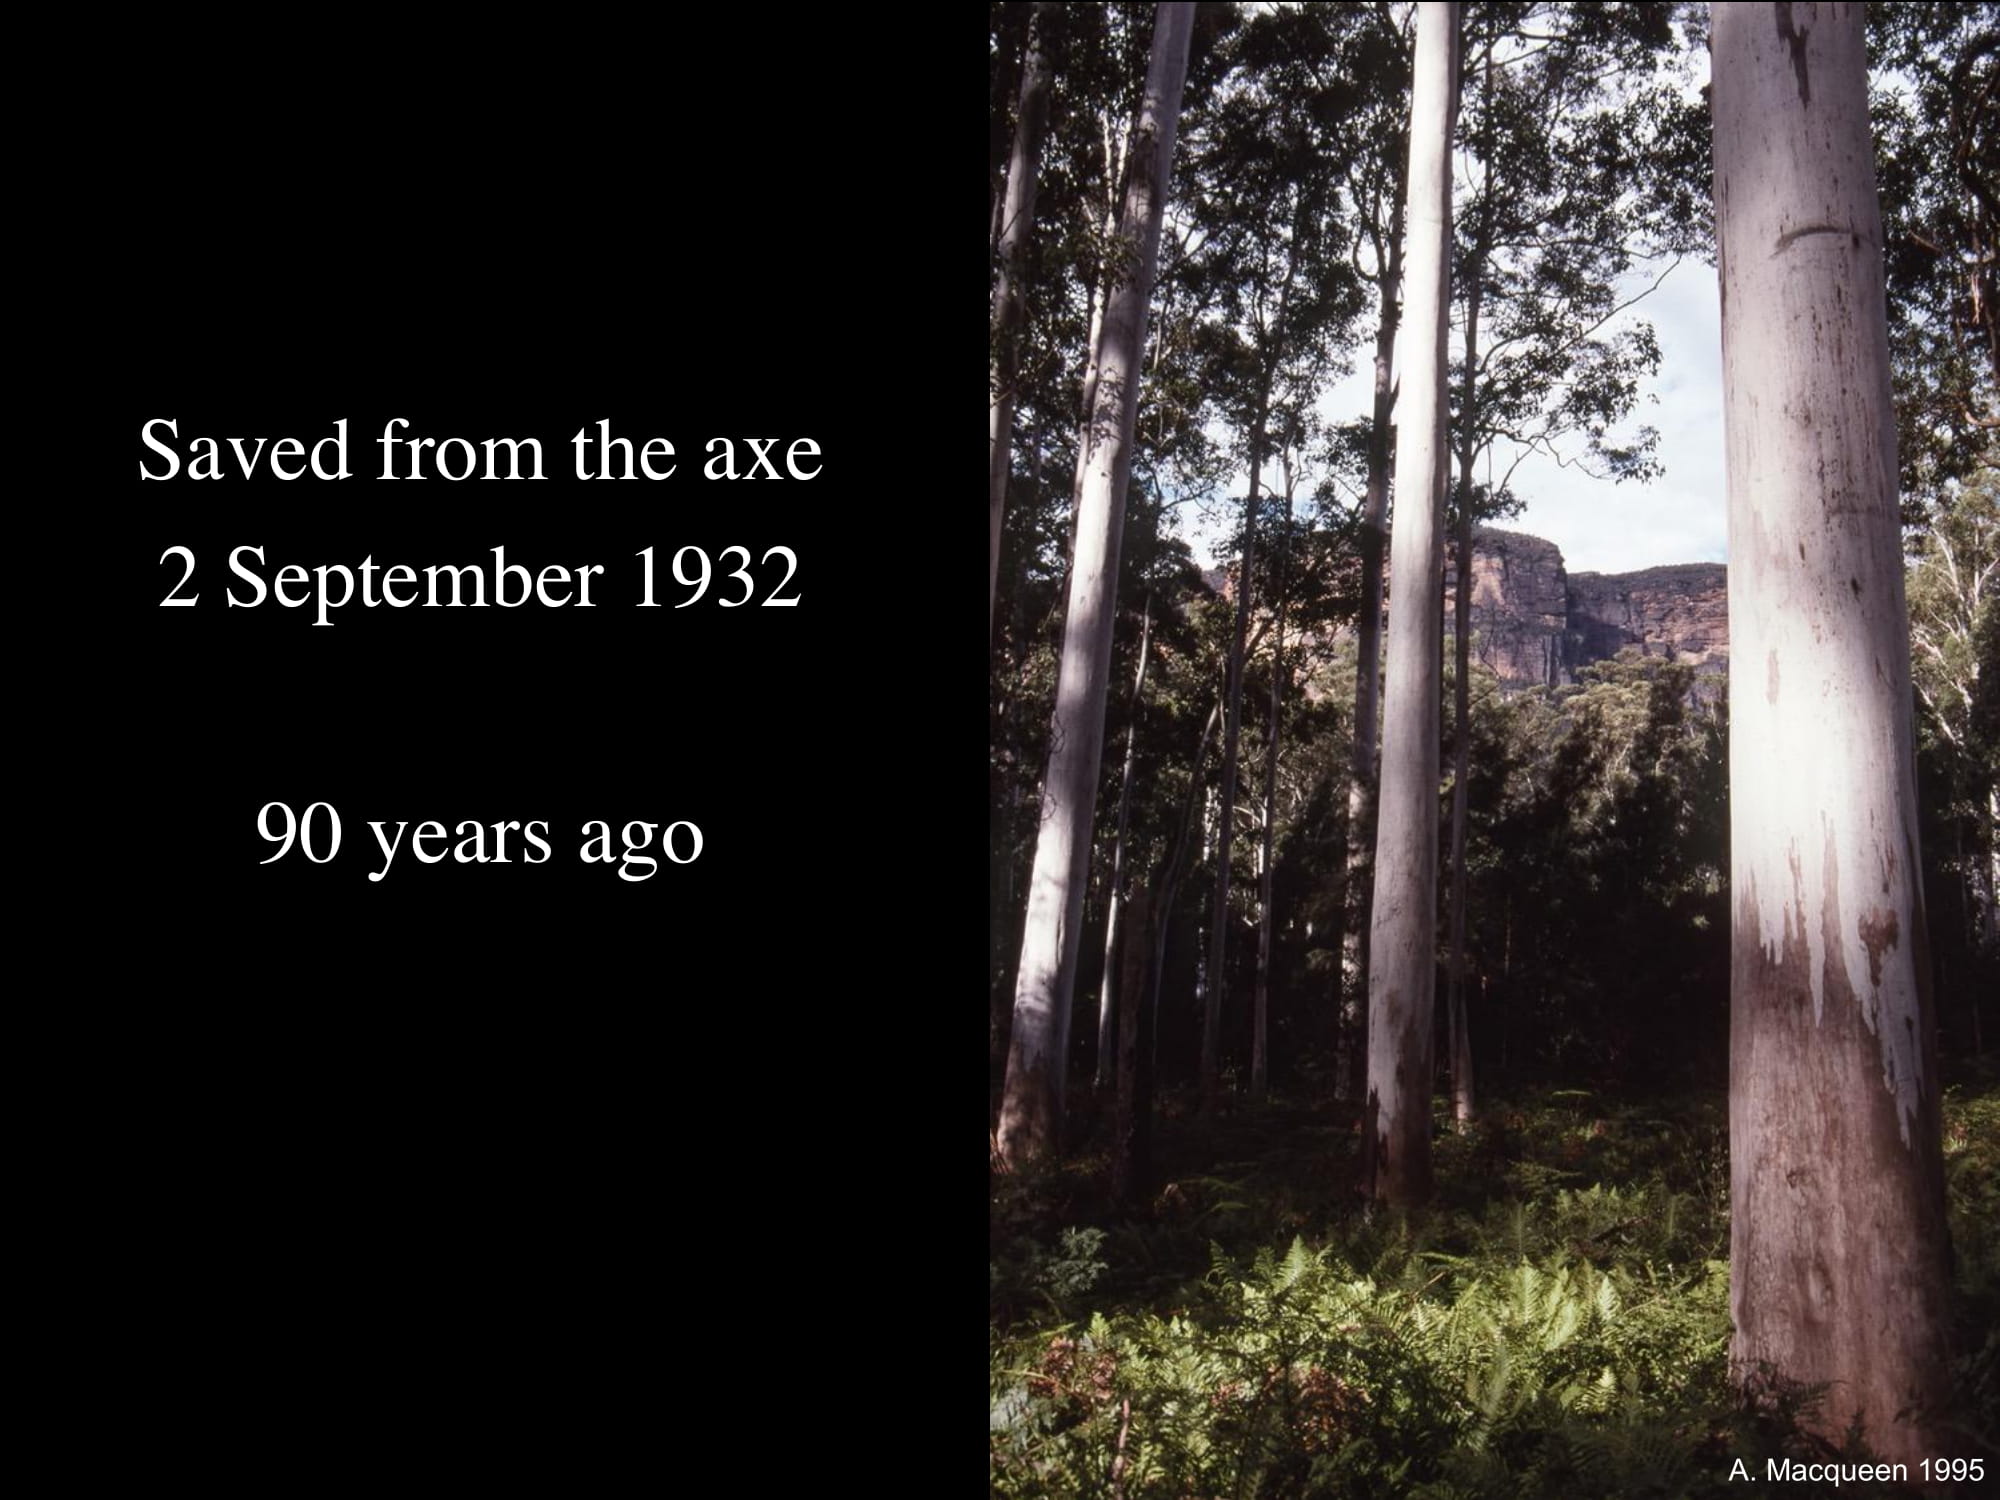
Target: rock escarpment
1680 612
1520 607
1536 625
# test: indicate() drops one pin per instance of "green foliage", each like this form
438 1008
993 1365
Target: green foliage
1569 1340
1935 110
1074 1268
1308 1372
1556 1325
1953 589
1598 866
1588 168
1972 1195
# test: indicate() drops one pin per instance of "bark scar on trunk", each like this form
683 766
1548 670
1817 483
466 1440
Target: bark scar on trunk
1796 41
1880 932
1790 236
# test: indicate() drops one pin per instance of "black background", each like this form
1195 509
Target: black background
486 1139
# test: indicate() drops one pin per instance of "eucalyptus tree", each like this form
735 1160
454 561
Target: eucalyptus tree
1138 1018
1006 41
1110 984
1377 189
1301 580
1031 1105
1838 1249
1260 1022
1402 978
1935 105
1098 59
1581 174
1954 597
1016 221
1093 65
1261 182
1175 455
1935 102
1096 62
1170 667
1583 187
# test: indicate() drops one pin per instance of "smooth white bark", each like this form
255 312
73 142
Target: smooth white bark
1351 1043
1402 969
1017 218
1458 1037
1031 1106
1838 1247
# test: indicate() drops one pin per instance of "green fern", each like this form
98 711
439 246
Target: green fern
1574 1342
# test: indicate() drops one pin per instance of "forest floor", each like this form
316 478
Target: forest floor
1555 1324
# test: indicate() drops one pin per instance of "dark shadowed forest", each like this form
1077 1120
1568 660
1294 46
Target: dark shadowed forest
1465 1022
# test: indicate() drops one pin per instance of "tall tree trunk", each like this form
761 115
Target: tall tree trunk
1232 725
1169 882
1197 793
1261 1017
1461 768
1350 1080
1838 1249
1992 859
1116 152
1474 272
1271 352
1133 1118
1000 1002
1108 990
1016 220
1402 969
1011 41
999 1015
1032 1102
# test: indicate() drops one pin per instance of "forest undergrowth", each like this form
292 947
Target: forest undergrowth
1556 1324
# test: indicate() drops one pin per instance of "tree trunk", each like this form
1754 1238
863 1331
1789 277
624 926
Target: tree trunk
1169 883
1461 768
1261 1015
1271 349
1016 219
1351 1071
1474 272
1000 1002
1232 725
1402 970
1838 1250
1037 1054
1115 153
1012 41
1132 1134
1108 990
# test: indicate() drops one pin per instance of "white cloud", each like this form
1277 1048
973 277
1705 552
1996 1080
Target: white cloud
1681 516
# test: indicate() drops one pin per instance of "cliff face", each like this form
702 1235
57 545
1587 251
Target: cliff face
1536 625
1679 612
1520 606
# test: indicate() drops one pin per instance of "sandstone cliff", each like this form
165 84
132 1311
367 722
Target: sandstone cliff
1680 612
1536 625
1520 607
